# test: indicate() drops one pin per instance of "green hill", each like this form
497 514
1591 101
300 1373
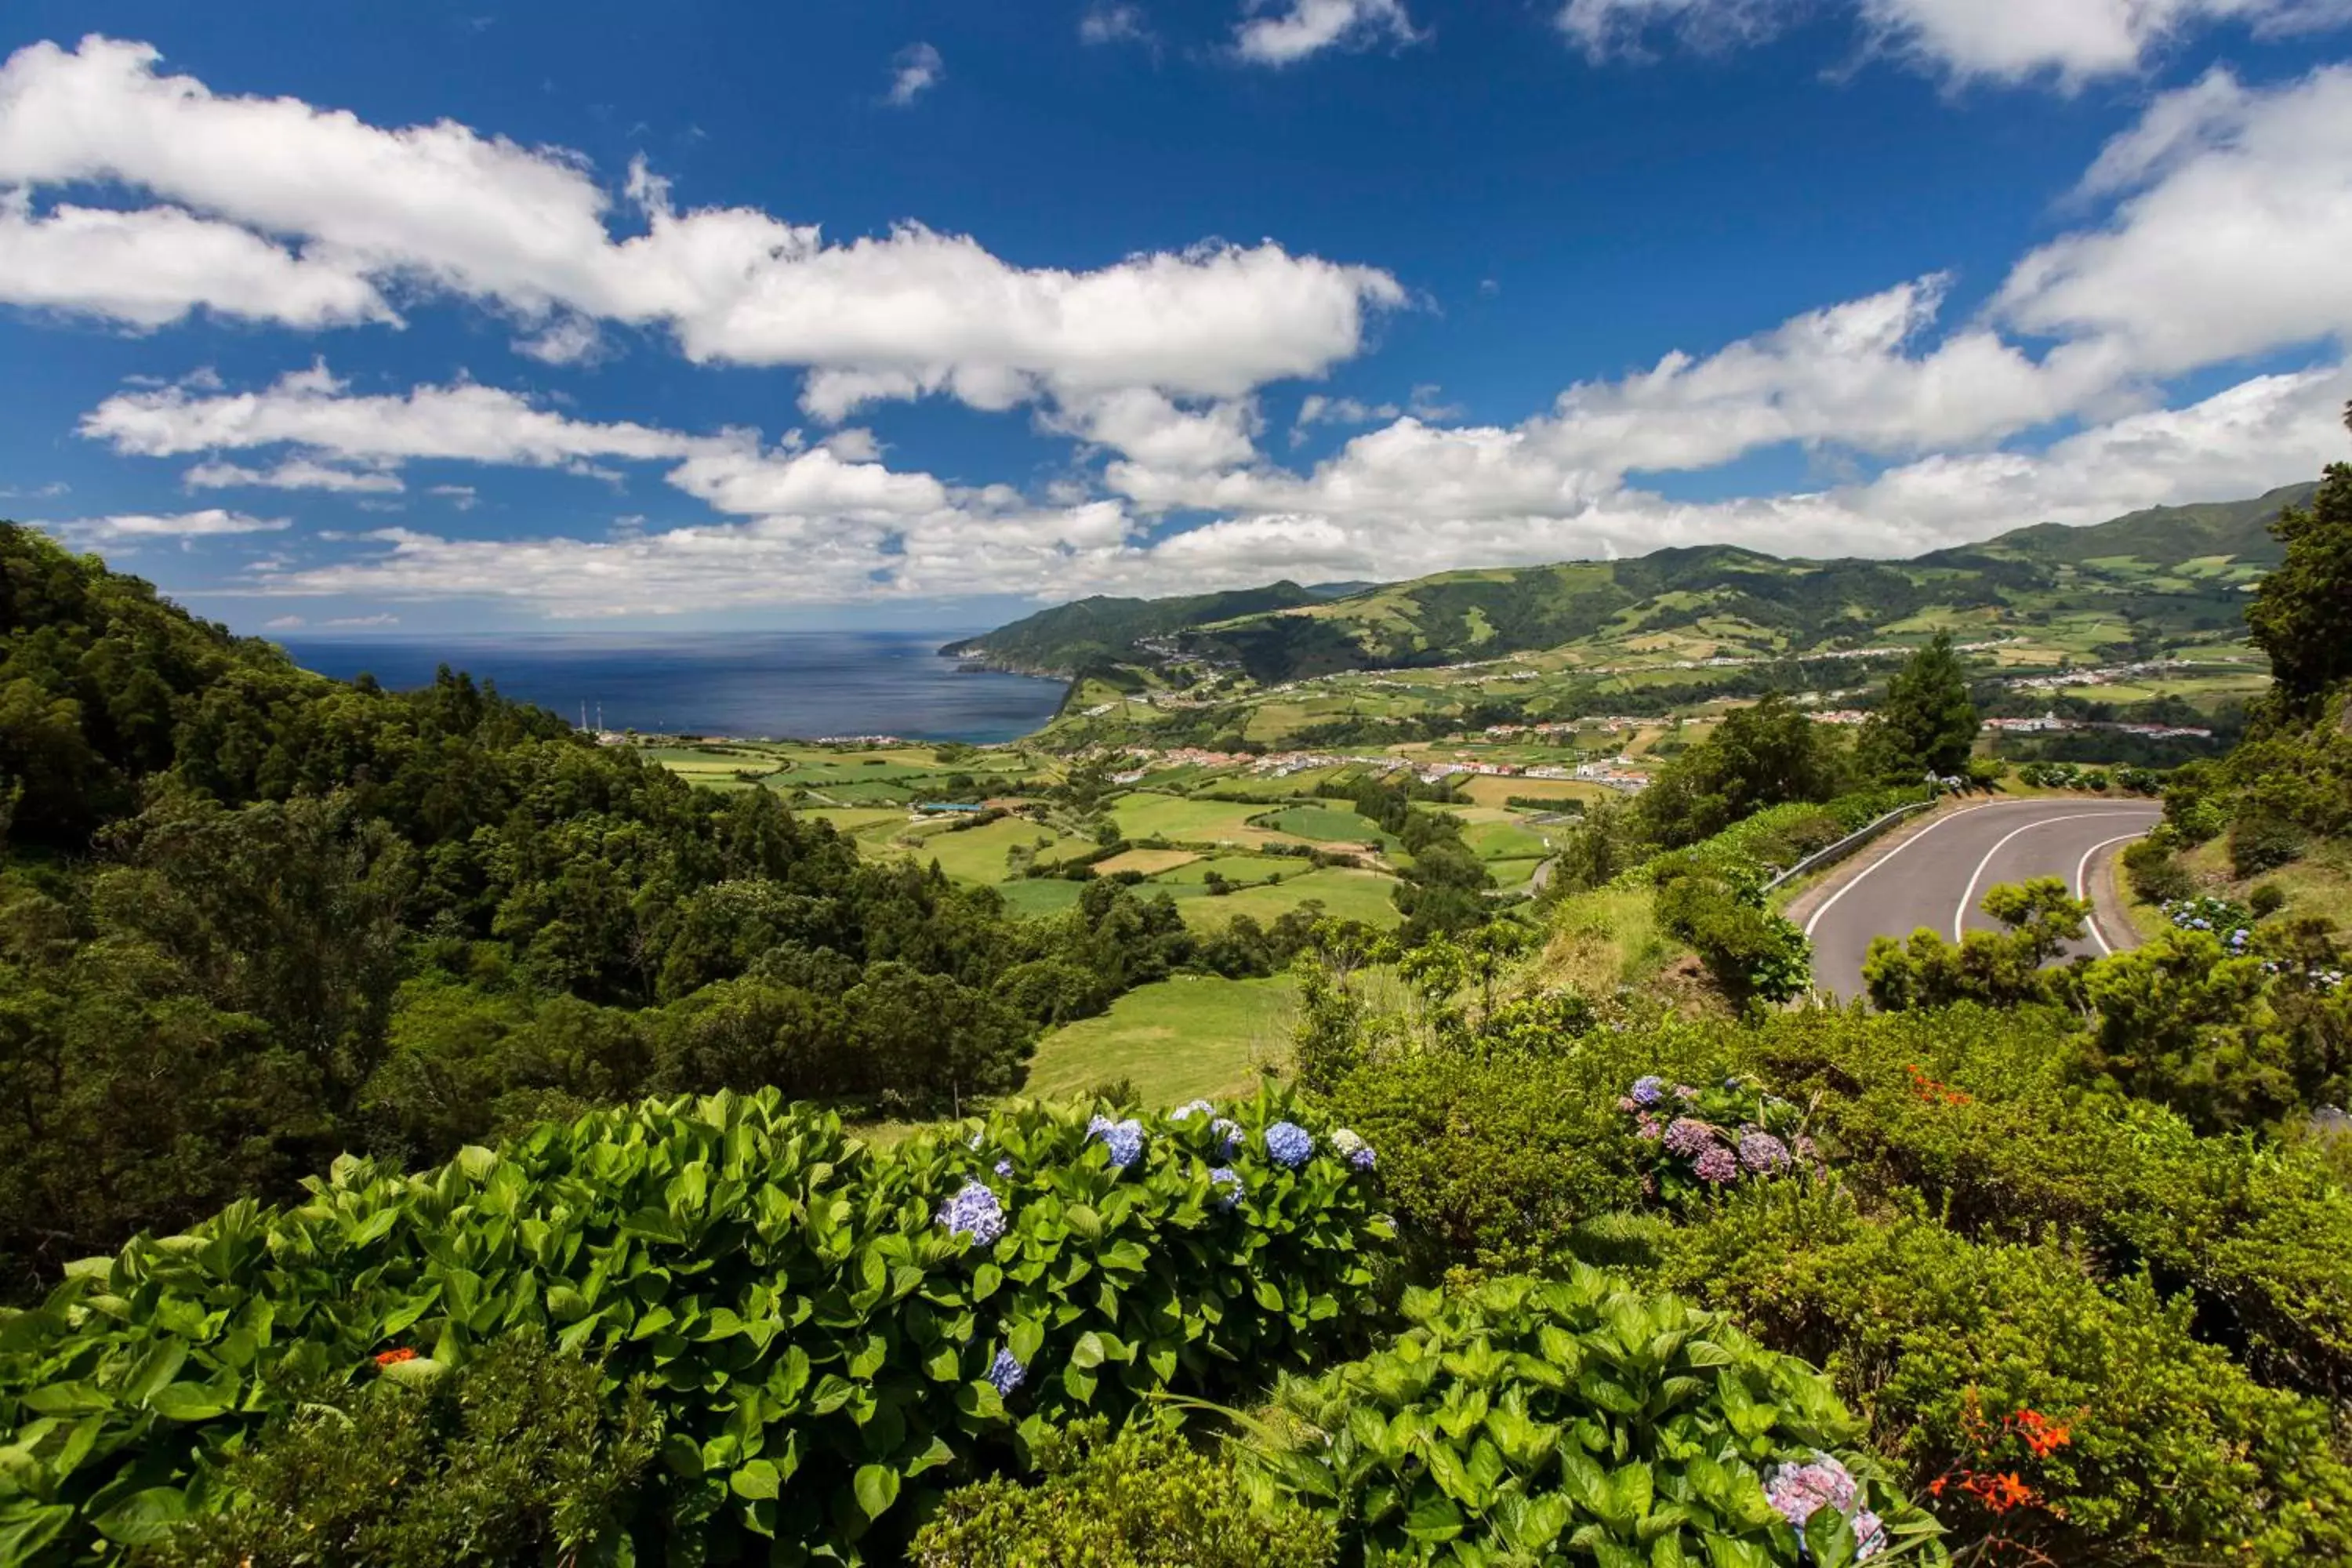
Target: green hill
1069 637
2151 580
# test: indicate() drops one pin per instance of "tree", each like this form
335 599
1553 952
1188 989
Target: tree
1768 753
1927 723
2300 612
2002 968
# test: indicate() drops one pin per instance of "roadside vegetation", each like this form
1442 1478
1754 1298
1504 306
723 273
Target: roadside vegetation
435 1089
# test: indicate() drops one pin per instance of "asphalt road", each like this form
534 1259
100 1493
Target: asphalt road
1937 877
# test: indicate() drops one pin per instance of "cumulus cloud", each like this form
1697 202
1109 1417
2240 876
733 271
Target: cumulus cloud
443 208
914 71
2230 237
2069 41
1284 32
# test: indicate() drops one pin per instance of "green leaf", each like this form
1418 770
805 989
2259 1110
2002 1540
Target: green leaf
984 1281
1433 1517
186 1402
1088 1352
159 1366
23 1534
878 1487
756 1481
143 1518
683 1454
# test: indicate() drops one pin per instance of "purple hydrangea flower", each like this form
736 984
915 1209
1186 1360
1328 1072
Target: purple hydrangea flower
1797 1492
1716 1165
1762 1153
1289 1143
1123 1139
1869 1535
1650 1126
1685 1138
974 1212
1685 1091
1353 1149
1627 1102
1007 1373
1228 1186
1649 1090
1005 1169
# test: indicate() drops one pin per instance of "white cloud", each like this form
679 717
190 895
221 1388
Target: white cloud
149 268
462 497
2069 41
1304 27
1152 429
1112 24
386 620
311 410
914 71
85 532
2231 239
284 624
294 474
443 208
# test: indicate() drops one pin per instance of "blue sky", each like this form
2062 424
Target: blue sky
916 312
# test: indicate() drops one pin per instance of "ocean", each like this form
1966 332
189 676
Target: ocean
783 684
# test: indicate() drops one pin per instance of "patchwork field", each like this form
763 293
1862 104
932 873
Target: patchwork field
1184 820
1344 894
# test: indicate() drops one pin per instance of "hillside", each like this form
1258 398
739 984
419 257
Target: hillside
1069 637
2129 587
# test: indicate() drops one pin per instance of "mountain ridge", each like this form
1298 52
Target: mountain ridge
2165 573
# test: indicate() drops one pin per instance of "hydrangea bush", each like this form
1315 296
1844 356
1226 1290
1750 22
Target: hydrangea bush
1579 1421
1700 1141
828 1333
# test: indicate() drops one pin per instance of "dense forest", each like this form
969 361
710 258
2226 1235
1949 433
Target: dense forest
251 918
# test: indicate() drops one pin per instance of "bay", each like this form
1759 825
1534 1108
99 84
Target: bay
782 684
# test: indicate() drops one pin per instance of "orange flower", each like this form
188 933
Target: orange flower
394 1357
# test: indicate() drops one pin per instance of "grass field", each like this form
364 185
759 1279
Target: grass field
1192 1038
1502 841
1151 862
1328 824
1040 895
1189 821
1344 894
856 819
978 853
1495 792
1232 867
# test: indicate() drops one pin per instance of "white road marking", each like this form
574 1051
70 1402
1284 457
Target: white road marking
1867 871
2081 875
1969 898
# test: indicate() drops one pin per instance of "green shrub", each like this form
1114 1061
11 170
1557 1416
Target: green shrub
816 1339
1143 1498
2263 841
512 1459
2174 1454
1749 952
2005 967
2265 900
1530 1420
2155 873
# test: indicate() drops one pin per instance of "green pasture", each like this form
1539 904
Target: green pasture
978 853
1344 893
1326 825
1190 820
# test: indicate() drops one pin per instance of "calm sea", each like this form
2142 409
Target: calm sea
801 684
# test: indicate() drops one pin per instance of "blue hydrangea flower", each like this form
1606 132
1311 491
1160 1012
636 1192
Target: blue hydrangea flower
1123 1139
1353 1149
974 1212
1649 1090
1005 1169
1230 1131
1228 1186
1289 1143
1191 1108
1007 1373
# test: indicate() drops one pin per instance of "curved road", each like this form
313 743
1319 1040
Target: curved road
1937 877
